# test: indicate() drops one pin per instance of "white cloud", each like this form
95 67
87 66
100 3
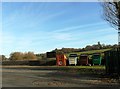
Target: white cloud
72 28
62 36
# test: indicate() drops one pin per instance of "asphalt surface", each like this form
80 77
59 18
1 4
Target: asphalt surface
51 78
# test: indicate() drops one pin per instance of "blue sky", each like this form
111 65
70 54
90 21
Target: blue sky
44 26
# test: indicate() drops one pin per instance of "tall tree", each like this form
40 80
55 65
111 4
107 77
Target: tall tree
16 56
2 57
22 56
30 56
111 10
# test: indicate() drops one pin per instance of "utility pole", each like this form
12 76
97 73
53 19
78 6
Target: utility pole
119 36
119 23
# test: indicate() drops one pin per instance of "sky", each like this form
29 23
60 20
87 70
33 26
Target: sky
43 26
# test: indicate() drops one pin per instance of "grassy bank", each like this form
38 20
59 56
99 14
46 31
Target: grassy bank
96 70
70 69
92 51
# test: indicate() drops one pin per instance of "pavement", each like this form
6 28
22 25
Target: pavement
51 78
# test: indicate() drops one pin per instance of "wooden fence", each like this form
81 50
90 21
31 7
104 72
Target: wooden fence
112 64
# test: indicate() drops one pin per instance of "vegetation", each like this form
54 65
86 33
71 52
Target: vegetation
84 69
89 49
91 52
2 57
69 69
111 12
22 56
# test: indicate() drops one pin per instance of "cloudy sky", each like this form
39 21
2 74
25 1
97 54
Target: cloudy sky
44 26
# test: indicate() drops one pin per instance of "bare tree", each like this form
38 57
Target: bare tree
111 12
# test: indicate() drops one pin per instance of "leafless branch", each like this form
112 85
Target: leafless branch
111 12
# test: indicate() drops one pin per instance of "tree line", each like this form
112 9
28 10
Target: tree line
20 56
32 56
97 46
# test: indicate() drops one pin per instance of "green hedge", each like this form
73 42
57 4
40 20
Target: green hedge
31 63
